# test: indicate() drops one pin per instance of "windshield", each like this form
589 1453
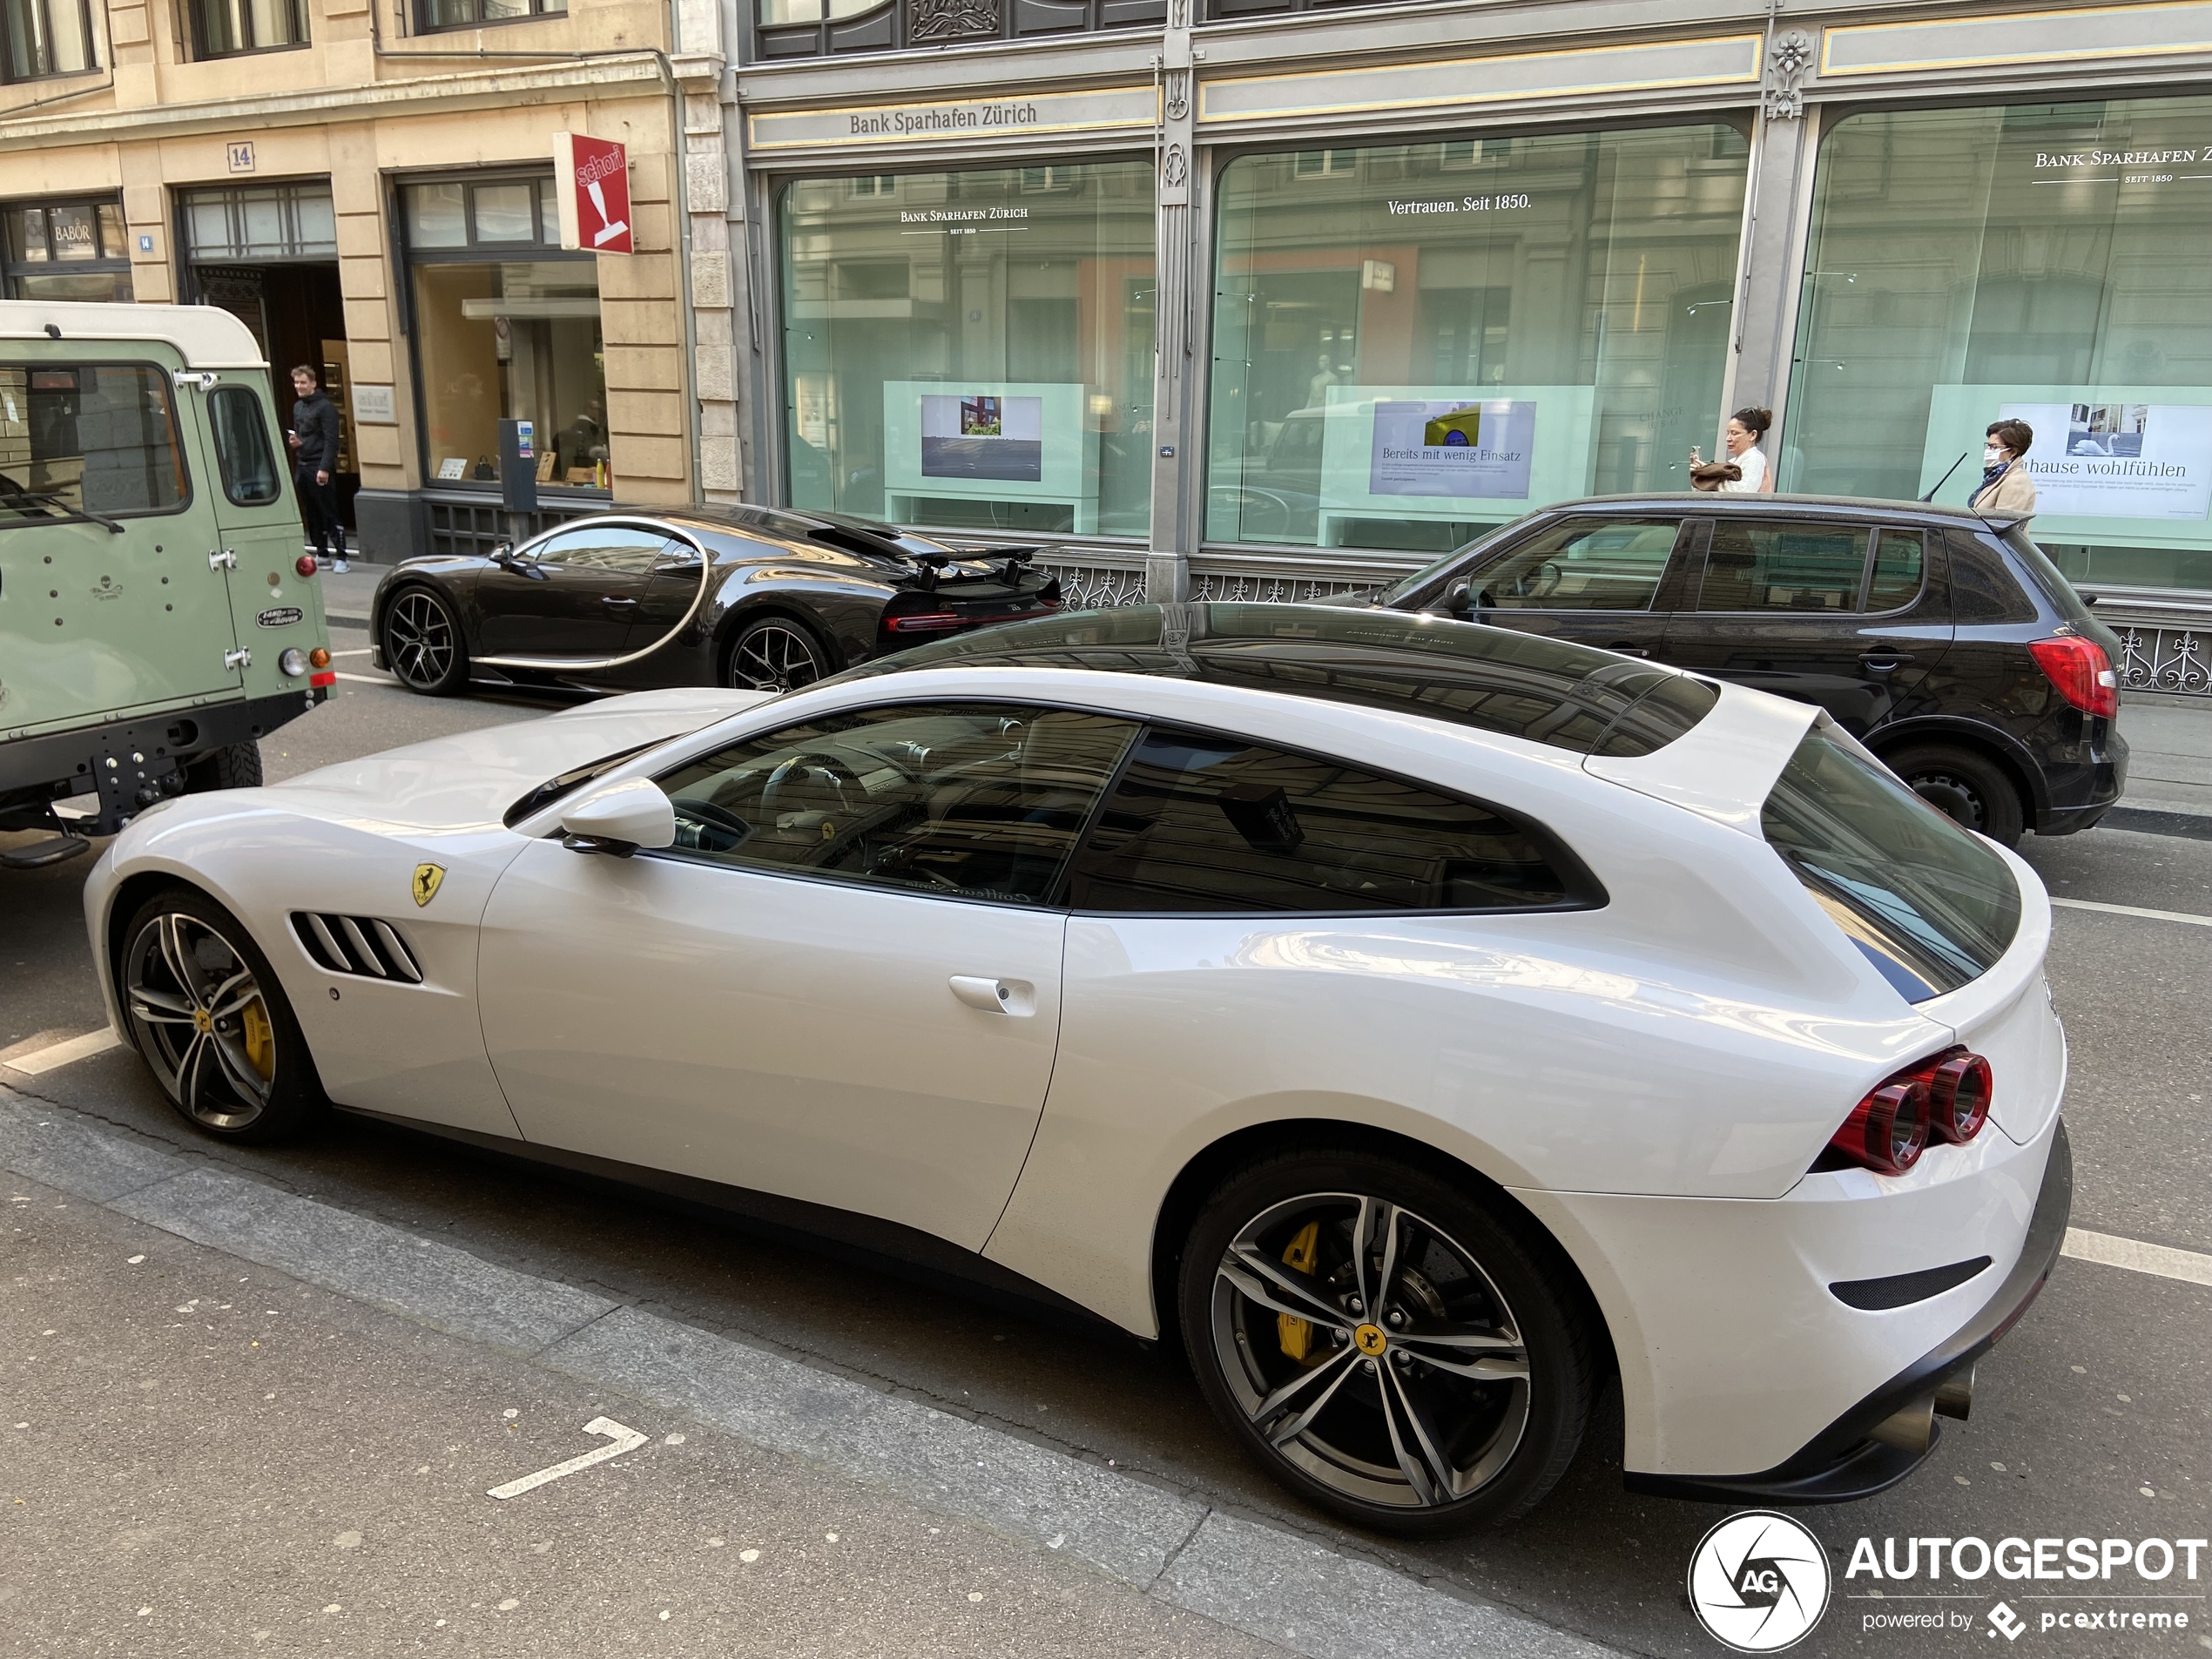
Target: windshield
1930 904
553 788
1413 587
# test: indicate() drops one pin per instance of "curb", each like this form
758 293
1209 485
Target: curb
1267 1582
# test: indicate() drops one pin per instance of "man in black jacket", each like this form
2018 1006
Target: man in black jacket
313 439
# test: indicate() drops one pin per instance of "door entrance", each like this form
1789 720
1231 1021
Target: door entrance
268 255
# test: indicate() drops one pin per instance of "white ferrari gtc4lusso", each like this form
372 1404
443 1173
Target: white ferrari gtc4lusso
1423 1020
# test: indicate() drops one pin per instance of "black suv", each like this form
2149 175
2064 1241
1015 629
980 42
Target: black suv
1944 639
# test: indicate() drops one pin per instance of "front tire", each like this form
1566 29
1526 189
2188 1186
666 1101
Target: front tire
1385 1344
235 766
1963 785
206 1013
422 644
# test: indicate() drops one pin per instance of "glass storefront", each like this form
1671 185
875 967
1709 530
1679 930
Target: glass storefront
972 349
507 327
2046 262
66 251
1413 342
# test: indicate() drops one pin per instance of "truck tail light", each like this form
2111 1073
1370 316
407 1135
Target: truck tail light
305 564
1945 1097
2081 671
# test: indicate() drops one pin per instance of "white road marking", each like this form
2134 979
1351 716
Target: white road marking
370 679
2137 1256
57 1054
363 651
625 1439
2135 910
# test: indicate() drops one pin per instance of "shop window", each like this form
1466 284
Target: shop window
1414 342
506 327
2050 263
812 28
87 438
967 352
224 28
66 251
41 37
470 14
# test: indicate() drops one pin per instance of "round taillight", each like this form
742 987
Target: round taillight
1897 1127
294 662
305 564
319 658
1958 1096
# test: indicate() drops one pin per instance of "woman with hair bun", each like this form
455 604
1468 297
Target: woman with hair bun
1745 428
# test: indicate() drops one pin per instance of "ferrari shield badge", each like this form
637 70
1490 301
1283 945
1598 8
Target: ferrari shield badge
427 878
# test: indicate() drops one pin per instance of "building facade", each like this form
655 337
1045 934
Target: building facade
1205 297
1272 299
368 184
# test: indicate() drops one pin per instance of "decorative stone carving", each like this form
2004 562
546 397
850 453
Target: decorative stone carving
1787 58
1178 14
935 20
1178 94
1175 169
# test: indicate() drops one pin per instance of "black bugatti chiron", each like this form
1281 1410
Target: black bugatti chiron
764 597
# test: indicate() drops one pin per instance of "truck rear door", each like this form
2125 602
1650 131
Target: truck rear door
249 491
109 606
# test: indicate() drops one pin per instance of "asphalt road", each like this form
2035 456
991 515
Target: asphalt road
2094 1418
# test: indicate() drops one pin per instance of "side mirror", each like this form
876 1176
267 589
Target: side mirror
620 819
1457 601
502 553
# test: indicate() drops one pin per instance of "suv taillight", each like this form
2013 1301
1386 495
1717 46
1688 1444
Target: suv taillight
2081 671
1945 1097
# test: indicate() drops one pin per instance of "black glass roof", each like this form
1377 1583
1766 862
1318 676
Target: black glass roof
1568 695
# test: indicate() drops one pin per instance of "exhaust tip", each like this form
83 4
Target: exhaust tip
1912 1429
1955 1398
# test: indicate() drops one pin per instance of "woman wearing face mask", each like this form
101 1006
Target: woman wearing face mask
2005 485
1745 428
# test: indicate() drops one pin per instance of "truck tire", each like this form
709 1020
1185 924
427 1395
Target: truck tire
235 766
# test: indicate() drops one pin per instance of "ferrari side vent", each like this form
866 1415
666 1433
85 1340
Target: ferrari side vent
358 945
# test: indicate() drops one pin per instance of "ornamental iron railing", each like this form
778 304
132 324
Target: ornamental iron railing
2167 659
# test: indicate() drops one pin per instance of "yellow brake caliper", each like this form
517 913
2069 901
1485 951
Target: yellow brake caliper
261 1041
1303 1253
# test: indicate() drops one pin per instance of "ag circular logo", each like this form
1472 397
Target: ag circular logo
1758 1582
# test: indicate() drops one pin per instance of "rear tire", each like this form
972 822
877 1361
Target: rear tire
776 653
235 766
205 1012
1965 785
423 643
1457 1399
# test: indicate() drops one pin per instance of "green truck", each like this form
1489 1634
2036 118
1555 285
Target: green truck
157 615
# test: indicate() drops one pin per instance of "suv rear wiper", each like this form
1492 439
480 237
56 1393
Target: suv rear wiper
9 497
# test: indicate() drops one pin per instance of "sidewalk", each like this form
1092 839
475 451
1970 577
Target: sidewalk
203 1455
2169 762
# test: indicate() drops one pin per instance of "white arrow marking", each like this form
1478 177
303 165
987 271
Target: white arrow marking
625 1439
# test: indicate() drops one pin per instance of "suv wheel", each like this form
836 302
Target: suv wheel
1384 1344
206 1011
1965 785
235 766
422 642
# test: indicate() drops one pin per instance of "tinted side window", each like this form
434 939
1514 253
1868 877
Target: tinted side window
630 548
242 447
1582 565
1784 567
1982 589
966 801
1212 824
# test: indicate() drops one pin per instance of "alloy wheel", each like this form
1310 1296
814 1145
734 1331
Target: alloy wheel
1370 1349
774 657
420 641
201 1020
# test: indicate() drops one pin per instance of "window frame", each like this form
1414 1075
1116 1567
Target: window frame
187 491
14 268
419 14
196 12
93 65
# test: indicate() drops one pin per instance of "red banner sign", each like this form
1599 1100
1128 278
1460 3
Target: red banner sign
593 175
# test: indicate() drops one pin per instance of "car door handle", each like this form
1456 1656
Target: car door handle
994 996
1629 648
1884 661
615 602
